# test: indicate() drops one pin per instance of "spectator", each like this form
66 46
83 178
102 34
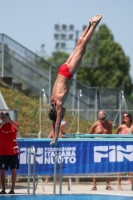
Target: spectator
102 126
62 132
9 149
125 128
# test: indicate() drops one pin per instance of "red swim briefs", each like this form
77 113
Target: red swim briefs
64 71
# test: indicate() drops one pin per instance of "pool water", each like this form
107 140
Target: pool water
66 197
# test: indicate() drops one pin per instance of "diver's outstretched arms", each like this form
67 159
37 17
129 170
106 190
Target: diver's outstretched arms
54 143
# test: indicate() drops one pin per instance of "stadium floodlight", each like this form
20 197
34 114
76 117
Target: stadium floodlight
57 27
71 27
64 27
63 45
70 37
56 36
57 44
63 36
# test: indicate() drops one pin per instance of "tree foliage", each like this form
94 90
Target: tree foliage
58 58
105 63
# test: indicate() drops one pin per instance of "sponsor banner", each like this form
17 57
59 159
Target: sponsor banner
78 157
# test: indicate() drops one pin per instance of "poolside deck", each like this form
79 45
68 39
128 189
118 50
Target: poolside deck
77 188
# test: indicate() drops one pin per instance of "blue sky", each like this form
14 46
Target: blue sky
31 22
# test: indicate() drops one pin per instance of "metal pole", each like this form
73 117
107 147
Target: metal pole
69 184
124 104
31 149
55 161
40 129
50 71
123 85
96 104
29 161
79 95
77 35
40 114
120 108
34 172
132 186
74 83
78 113
88 102
74 93
55 164
40 111
2 56
60 175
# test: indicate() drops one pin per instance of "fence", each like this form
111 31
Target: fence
33 73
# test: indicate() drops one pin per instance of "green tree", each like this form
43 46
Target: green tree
58 58
105 63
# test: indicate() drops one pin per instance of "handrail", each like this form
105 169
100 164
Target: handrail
23 47
31 151
55 163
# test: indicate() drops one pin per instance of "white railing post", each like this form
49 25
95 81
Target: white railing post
55 164
31 150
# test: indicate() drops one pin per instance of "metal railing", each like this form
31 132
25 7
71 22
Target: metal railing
57 158
31 151
34 73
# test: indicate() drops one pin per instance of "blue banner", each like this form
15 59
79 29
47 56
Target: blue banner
78 157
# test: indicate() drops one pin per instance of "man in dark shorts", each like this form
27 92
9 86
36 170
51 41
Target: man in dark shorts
9 149
65 74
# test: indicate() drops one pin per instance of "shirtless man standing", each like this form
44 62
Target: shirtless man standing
102 126
65 74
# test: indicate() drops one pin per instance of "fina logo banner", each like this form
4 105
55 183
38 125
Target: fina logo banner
113 153
78 157
47 155
68 155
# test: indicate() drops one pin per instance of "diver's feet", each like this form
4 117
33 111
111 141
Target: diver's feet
95 20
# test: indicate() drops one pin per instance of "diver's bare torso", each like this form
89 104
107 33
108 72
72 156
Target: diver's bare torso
60 90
